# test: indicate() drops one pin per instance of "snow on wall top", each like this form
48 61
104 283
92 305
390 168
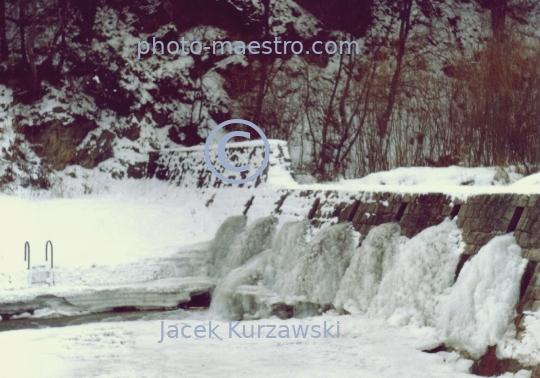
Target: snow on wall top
186 167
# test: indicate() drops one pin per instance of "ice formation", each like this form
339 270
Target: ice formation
225 236
256 238
480 305
323 265
227 301
368 265
407 281
424 268
287 249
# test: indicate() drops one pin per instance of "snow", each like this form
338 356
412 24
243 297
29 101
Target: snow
445 176
132 349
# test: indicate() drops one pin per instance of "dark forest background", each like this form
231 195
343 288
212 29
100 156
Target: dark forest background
437 83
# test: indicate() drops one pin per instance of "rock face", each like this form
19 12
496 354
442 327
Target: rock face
60 145
57 143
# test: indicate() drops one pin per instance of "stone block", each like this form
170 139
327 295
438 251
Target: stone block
534 241
494 199
533 200
507 199
533 213
470 237
509 213
470 249
501 225
478 224
524 224
535 228
522 238
447 210
469 210
386 218
497 212
463 211
531 254
520 200
460 221
483 238
467 225
490 226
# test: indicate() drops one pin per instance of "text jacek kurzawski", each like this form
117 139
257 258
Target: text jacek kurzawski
241 330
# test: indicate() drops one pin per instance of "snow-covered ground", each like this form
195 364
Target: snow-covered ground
366 348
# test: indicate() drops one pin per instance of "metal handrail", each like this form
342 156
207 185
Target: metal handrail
47 252
27 249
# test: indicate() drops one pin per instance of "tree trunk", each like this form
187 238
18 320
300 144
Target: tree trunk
263 70
404 29
22 20
34 85
4 49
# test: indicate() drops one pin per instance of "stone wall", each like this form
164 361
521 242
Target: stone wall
187 168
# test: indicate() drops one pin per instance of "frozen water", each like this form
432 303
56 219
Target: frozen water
288 248
480 306
256 238
225 237
423 269
322 267
368 265
226 300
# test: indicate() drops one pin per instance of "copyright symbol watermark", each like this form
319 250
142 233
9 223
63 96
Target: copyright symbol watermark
222 158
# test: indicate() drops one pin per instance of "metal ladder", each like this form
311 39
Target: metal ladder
40 275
